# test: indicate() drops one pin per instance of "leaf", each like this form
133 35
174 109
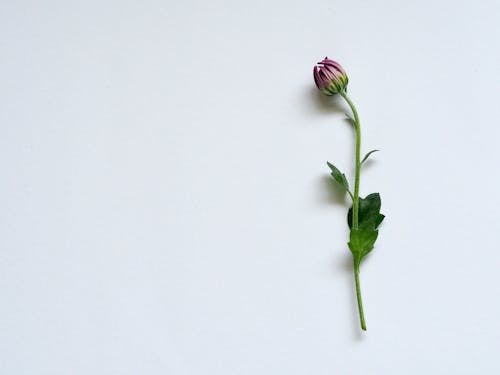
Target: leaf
338 176
369 216
368 155
361 242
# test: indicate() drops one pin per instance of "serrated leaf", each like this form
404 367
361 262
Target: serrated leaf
338 176
368 155
369 216
361 242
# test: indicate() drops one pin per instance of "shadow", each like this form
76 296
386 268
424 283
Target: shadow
369 163
326 104
331 192
345 264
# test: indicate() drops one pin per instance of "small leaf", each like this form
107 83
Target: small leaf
368 155
361 242
369 216
338 176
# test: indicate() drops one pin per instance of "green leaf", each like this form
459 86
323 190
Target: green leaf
338 176
361 242
368 155
369 216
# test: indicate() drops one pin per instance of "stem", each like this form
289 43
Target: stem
357 127
360 300
355 203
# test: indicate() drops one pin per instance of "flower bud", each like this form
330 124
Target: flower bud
330 77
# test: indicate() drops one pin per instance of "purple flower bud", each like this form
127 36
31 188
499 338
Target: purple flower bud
330 77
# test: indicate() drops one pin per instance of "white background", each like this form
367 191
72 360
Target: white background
165 200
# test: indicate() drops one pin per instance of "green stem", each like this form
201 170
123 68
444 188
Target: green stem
360 300
355 202
357 127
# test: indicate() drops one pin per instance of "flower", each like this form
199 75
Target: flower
330 77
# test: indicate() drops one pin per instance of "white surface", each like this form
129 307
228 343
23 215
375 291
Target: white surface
165 205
